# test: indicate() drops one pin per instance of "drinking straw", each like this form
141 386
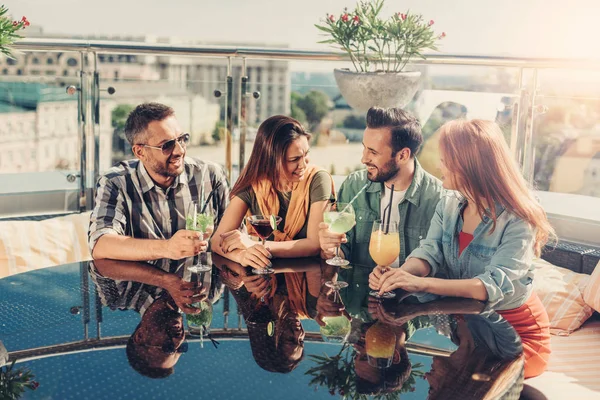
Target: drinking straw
195 216
210 195
355 196
387 225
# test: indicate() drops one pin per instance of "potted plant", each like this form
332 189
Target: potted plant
9 31
380 50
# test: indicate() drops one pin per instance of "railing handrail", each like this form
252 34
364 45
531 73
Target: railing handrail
130 47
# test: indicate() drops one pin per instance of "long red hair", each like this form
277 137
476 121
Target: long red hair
476 152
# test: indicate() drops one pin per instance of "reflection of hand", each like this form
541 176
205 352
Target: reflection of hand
329 308
183 293
184 243
398 317
329 241
233 240
258 285
256 256
375 277
397 278
230 278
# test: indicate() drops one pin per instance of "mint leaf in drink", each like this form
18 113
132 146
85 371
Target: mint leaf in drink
204 317
204 221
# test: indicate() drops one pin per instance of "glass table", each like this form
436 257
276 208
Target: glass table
112 329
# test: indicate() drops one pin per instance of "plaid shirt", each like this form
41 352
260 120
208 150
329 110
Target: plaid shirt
130 295
129 203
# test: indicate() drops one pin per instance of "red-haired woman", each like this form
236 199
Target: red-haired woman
483 237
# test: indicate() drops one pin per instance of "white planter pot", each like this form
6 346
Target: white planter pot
363 90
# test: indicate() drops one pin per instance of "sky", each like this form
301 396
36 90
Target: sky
532 28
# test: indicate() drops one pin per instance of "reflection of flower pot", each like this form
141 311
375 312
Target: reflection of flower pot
363 90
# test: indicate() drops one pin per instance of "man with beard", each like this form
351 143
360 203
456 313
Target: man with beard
390 143
157 291
141 204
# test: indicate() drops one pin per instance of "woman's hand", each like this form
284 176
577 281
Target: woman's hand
397 278
256 256
375 277
234 240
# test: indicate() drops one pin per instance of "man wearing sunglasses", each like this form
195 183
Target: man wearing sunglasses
141 204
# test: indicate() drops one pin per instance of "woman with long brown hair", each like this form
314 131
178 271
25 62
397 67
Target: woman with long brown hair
277 181
483 236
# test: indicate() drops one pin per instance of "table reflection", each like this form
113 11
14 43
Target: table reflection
289 323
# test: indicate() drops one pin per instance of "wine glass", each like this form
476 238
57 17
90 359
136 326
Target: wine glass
340 218
384 248
264 227
203 222
199 324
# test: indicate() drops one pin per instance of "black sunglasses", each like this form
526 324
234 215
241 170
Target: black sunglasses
168 146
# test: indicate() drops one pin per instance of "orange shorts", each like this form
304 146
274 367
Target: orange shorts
532 324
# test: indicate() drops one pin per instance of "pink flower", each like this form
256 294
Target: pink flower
403 17
34 385
431 22
356 19
443 35
15 23
332 18
345 17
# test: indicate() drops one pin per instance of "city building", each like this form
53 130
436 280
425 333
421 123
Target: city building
200 75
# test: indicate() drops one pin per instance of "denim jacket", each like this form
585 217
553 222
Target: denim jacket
416 210
501 259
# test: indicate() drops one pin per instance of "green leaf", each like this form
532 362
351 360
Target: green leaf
323 28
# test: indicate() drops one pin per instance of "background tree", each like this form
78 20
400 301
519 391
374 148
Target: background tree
297 112
121 147
315 105
355 121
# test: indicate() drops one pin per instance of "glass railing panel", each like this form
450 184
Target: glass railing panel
39 164
445 93
566 143
187 84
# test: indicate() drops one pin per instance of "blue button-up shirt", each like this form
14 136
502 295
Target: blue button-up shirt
501 259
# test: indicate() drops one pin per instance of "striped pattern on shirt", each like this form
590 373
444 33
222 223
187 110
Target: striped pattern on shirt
129 203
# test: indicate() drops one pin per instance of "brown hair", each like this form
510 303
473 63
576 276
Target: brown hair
141 116
405 128
140 364
476 152
266 160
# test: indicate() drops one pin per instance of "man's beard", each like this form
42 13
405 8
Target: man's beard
163 169
388 171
